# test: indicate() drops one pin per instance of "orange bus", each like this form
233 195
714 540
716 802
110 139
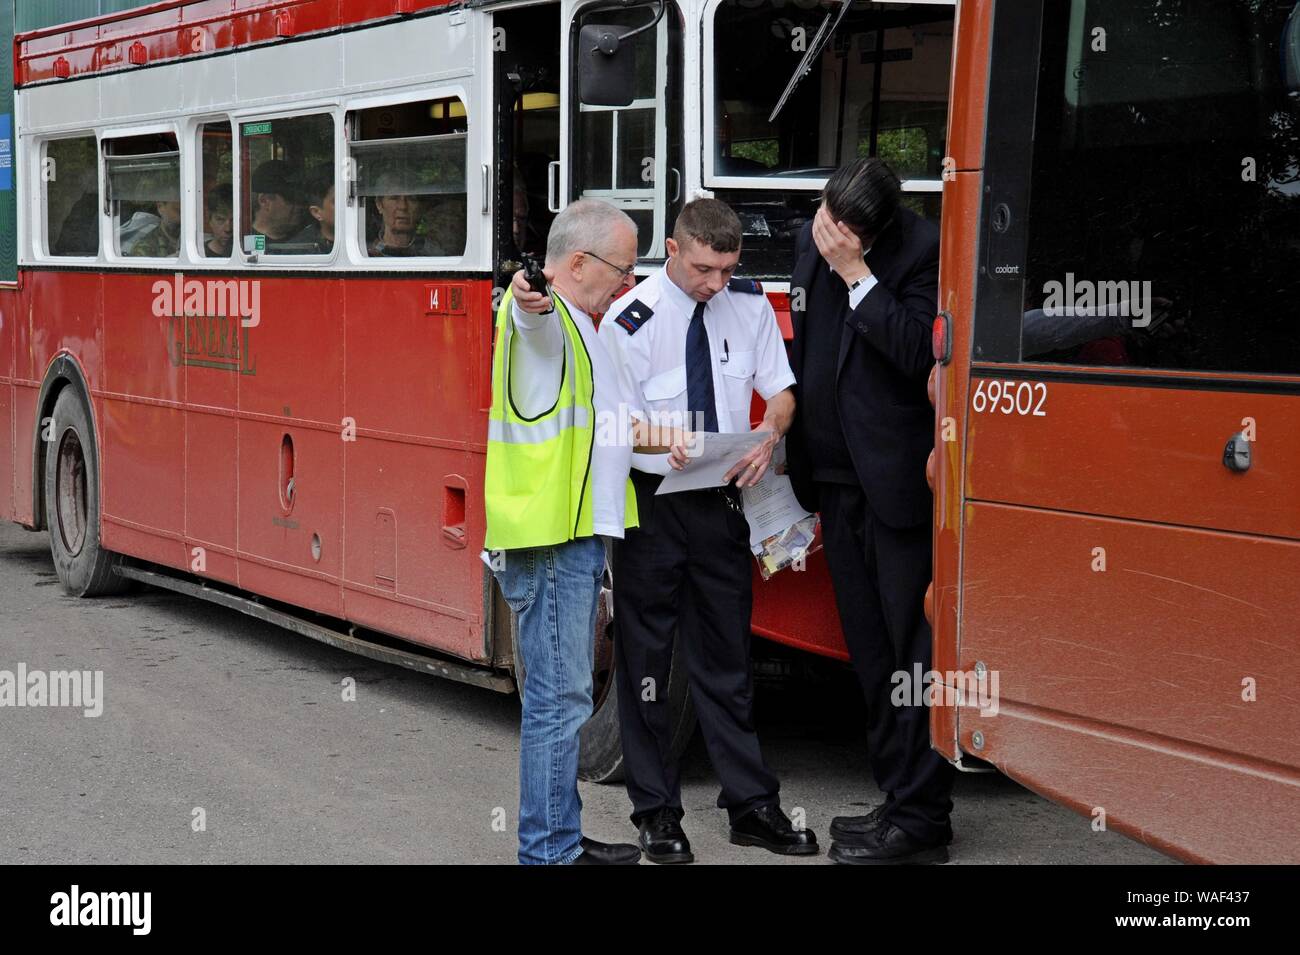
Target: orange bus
1118 415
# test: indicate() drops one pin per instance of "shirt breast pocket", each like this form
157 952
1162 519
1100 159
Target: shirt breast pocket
738 379
665 396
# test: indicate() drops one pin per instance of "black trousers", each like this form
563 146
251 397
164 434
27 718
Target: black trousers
880 575
686 568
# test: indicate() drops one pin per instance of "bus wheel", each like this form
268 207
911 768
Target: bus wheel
72 503
600 755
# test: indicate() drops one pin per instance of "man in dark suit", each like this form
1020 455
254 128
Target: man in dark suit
863 299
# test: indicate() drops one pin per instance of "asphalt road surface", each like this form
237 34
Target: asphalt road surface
224 739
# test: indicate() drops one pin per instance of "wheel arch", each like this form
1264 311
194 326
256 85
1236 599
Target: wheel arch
63 372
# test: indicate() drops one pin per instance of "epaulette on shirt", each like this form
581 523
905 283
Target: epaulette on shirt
746 285
636 314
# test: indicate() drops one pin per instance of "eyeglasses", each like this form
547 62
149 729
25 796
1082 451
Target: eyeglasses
625 272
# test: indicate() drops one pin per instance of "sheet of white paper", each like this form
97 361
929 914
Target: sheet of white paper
714 456
770 508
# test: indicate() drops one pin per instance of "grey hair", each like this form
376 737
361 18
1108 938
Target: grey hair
585 224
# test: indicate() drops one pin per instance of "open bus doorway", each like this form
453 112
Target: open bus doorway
526 68
529 193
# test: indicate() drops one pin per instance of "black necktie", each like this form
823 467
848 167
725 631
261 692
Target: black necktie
699 373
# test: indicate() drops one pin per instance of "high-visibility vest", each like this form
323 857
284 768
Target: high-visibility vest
537 486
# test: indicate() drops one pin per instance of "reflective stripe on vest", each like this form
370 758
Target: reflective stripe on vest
535 432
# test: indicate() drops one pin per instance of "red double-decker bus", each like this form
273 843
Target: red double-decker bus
245 348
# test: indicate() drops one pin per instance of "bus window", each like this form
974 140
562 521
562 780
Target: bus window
1163 190
280 161
878 87
216 218
143 174
630 156
71 181
410 177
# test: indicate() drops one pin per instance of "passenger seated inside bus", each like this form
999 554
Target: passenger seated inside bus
79 233
317 236
399 220
277 202
136 226
163 241
218 240
524 231
443 223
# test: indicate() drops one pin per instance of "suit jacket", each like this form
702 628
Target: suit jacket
885 356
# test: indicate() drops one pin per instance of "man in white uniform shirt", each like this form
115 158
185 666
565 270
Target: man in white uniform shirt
692 345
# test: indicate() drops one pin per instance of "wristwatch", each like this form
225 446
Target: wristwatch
860 281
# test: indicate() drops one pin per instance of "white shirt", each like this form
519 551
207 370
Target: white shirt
744 342
538 364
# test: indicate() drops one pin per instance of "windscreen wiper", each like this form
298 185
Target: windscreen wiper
824 33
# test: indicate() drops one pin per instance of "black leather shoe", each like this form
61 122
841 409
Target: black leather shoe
889 845
607 853
857 830
662 839
770 828
854 830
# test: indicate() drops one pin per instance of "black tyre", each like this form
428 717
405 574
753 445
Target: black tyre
600 756
72 501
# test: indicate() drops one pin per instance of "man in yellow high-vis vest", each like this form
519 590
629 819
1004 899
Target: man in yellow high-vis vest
560 447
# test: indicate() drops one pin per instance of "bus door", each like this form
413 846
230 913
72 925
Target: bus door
526 123
629 154
1130 565
551 147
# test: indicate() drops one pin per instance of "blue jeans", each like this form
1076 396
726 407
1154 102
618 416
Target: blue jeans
554 592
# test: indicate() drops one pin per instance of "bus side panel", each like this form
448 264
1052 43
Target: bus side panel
291 419
1092 648
1152 454
68 310
65 315
1157 796
140 386
24 410
797 608
25 393
415 473
212 451
8 427
9 297
176 32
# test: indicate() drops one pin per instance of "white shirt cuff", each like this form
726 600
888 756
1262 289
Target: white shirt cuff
859 293
782 383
